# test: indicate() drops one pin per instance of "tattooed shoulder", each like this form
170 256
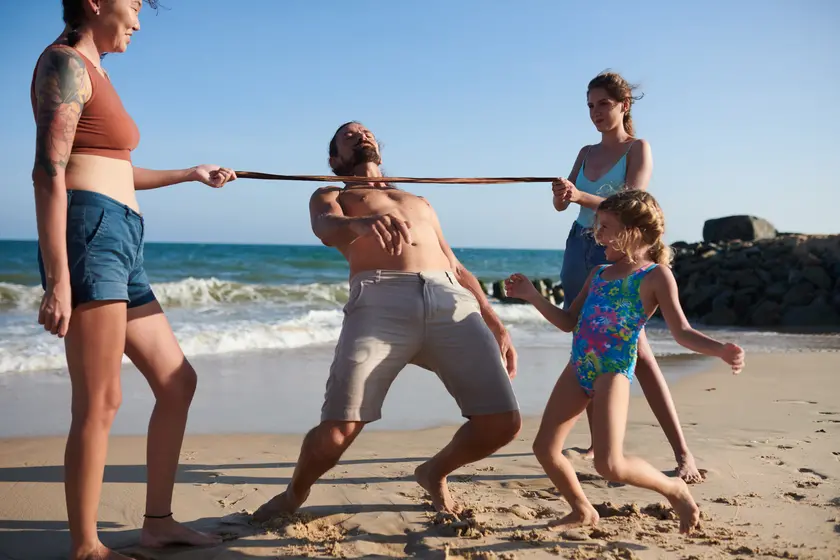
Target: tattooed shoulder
62 87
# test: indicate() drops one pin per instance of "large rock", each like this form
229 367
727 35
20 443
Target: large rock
730 228
817 314
766 314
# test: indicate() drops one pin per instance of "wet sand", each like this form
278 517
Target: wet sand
768 440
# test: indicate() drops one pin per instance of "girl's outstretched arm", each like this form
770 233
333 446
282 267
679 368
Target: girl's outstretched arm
518 286
667 296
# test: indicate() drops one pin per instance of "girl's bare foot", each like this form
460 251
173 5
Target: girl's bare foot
578 518
160 533
684 505
284 503
99 552
687 469
437 489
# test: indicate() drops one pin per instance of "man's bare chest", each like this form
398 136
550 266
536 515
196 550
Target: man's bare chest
365 201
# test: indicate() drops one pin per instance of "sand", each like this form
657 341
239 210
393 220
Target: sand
768 440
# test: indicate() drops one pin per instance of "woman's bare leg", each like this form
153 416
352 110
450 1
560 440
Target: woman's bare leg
94 349
611 401
152 347
565 404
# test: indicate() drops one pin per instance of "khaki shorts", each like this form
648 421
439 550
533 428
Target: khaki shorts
428 319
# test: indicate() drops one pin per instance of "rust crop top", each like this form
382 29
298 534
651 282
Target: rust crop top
105 128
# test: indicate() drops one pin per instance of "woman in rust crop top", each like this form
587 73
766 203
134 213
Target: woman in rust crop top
97 296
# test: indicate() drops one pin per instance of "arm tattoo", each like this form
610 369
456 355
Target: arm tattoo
60 92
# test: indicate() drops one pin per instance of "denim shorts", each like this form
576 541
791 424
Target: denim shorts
104 251
582 255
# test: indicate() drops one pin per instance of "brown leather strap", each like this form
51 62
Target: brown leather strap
442 180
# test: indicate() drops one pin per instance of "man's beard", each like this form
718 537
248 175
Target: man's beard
363 153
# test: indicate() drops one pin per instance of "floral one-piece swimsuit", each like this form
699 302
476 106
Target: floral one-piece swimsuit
606 336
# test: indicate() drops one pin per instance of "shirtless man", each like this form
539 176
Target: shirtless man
410 301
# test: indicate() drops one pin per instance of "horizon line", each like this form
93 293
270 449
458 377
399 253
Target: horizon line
311 245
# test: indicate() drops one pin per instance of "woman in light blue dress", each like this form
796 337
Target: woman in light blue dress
619 161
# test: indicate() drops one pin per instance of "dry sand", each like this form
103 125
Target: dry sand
768 440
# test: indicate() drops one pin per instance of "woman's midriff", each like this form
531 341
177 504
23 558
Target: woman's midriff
107 176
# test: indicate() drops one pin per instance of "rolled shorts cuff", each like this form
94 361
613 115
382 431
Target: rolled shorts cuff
486 410
100 291
351 415
142 299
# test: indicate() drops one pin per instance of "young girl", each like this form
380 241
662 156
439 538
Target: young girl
607 317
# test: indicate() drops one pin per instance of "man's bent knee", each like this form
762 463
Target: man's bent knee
331 438
501 428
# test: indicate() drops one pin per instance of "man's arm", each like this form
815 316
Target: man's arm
470 282
329 224
334 229
465 277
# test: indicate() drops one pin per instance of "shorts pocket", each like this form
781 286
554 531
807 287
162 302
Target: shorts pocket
356 291
464 296
95 223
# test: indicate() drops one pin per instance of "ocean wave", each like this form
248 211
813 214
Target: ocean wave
33 350
17 296
202 292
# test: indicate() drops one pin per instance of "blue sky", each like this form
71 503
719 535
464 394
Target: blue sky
740 107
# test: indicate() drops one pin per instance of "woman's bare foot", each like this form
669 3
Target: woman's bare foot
160 533
99 552
437 489
687 468
284 503
683 503
578 518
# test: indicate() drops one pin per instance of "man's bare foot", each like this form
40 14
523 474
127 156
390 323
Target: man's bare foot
683 503
687 469
437 489
284 503
160 533
99 552
577 518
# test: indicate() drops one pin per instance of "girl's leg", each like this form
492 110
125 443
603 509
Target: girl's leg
94 349
152 347
659 398
565 404
612 397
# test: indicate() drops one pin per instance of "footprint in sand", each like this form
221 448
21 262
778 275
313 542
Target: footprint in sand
772 459
794 496
806 470
802 484
597 481
542 494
